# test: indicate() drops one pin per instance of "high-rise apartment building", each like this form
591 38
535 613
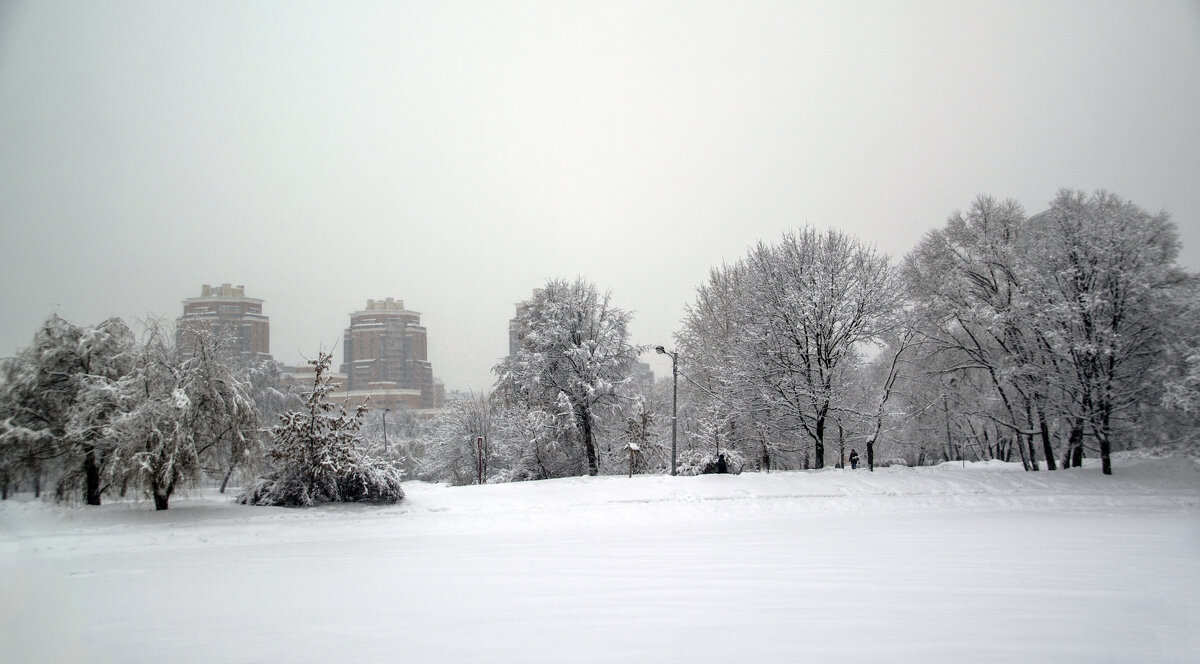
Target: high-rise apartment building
515 330
226 311
386 348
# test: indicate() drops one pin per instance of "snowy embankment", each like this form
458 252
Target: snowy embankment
982 563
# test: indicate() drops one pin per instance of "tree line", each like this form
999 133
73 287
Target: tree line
1038 339
93 411
1000 336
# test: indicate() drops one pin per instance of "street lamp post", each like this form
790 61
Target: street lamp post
674 398
385 445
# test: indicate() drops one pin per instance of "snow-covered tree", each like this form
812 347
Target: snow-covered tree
970 282
183 412
1174 417
1104 302
646 419
1064 314
25 448
1182 390
56 401
780 334
460 447
534 444
400 436
573 356
320 457
518 443
242 453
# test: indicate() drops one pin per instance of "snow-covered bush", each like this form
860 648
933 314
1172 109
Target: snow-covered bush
293 487
321 457
705 462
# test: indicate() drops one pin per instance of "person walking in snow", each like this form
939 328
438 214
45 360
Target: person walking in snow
853 460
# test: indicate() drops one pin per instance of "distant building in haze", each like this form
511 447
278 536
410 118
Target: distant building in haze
386 356
515 330
226 311
641 376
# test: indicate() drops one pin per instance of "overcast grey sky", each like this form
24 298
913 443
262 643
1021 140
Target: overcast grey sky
457 154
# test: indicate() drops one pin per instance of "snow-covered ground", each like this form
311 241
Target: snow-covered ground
978 564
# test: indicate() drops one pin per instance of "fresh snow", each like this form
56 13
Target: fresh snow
982 563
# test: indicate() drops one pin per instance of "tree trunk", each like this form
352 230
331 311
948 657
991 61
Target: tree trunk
871 455
819 443
37 485
949 453
841 446
91 474
1020 444
225 480
1105 445
162 495
1028 438
1075 443
589 445
1047 448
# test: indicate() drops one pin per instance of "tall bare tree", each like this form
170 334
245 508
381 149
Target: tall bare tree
780 332
1107 274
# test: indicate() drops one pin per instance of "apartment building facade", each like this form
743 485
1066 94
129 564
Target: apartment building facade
226 311
386 351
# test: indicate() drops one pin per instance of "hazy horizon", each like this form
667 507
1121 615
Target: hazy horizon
455 156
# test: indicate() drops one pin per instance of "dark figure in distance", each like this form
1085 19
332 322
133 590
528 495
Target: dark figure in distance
853 460
722 466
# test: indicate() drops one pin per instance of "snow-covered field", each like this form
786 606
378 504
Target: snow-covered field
947 564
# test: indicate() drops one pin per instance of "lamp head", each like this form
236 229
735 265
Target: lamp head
660 350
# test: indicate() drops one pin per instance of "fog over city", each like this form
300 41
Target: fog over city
457 155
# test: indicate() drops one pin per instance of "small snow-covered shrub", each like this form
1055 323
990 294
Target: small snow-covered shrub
291 487
321 458
282 488
372 483
705 462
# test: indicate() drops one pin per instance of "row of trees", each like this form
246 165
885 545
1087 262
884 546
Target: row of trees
1001 335
96 411
1039 335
